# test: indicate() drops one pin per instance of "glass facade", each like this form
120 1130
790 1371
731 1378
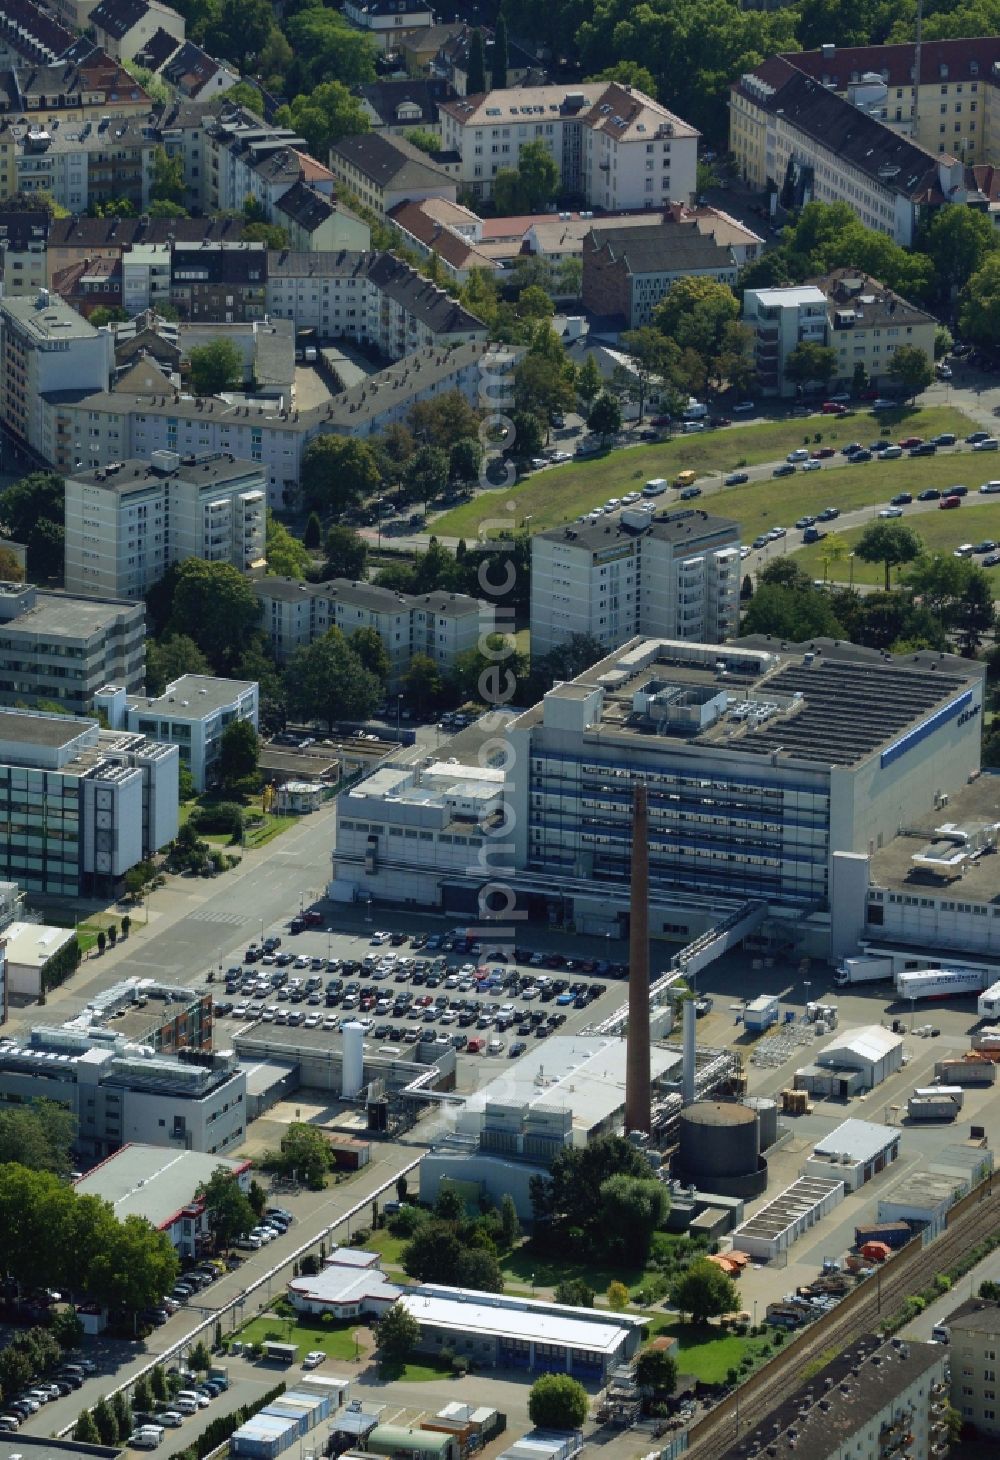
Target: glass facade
40 830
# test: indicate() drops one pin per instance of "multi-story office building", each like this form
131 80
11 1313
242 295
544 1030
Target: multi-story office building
119 1094
106 427
56 647
673 575
192 713
79 806
126 523
612 143
762 765
440 625
880 1398
46 347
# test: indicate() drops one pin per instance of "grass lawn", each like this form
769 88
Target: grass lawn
520 1265
86 933
559 494
272 826
706 1352
390 1247
941 531
418 1372
335 1340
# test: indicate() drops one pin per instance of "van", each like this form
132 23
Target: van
200 1401
696 410
685 479
655 488
148 1437
185 1405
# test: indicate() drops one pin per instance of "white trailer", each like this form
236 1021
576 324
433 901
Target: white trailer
866 968
941 983
989 1001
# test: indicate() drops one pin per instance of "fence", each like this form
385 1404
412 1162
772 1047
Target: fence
218 1314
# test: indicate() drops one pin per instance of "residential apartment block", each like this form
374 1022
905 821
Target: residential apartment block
787 128
860 319
382 171
675 575
440 625
128 522
627 271
46 347
880 1398
192 713
123 27
73 90
974 1338
57 647
89 431
79 805
82 164
389 22
23 252
84 240
318 223
612 143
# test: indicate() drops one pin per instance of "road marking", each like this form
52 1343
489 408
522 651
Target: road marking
232 920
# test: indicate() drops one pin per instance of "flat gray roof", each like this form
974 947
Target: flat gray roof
692 528
192 697
63 616
48 730
135 476
52 320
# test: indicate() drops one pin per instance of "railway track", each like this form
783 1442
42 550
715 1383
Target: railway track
878 1297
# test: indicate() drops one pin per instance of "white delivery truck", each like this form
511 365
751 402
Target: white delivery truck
866 968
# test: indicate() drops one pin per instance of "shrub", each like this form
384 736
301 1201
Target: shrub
460 1365
360 1237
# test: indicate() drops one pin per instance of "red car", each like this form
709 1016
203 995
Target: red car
946 503
822 452
909 441
834 408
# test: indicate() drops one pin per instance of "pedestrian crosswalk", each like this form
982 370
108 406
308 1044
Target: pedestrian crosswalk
228 920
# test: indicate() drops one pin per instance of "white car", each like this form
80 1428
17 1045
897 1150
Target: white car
377 939
811 465
169 1417
538 462
745 553
989 487
311 1021
891 512
330 1022
799 454
777 532
558 456
313 1359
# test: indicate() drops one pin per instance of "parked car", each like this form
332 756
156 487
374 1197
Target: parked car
947 503
737 478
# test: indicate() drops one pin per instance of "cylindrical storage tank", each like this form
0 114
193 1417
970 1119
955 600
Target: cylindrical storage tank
352 1070
767 1117
720 1148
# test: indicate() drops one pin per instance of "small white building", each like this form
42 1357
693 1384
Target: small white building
872 1052
162 1185
774 1228
192 713
298 798
853 1153
29 948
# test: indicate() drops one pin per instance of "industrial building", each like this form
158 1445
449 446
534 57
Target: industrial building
854 1152
161 1186
783 1220
853 1061
762 763
881 1397
926 1193
120 1093
720 1149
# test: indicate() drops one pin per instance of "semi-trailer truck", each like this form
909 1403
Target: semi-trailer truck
941 983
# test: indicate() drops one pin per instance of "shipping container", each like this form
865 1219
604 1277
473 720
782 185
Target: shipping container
893 1234
931 1108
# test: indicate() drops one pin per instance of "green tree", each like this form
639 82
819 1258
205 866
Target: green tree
346 554
558 1402
529 435
228 1212
66 1328
39 1136
85 1431
167 659
425 141
306 1153
328 48
811 363
135 1268
102 941
704 1291
40 496
326 680
576 1292
605 418
215 367
327 114
396 1336
271 234
958 241
475 83
422 683
631 1210
426 474
617 1296
158 1383
122 1412
239 752
589 380
656 1372
216 606
648 349
367 644
168 177
465 459
957 594
287 557
694 314
312 537
142 1393
944 341
537 170
433 1253
441 421
629 73
789 613
238 31
510 1227
103 315
888 543
336 472
107 1424
912 368
199 1359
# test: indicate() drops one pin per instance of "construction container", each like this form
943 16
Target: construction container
973 1070
875 1251
931 1107
264 1437
317 1406
933 1092
349 1155
761 1013
893 1234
